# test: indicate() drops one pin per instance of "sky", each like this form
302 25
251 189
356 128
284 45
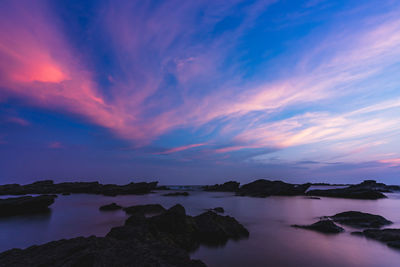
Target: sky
200 92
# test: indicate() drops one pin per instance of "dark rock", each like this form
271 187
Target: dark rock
349 192
373 185
162 187
389 236
216 229
99 252
230 186
145 209
218 209
25 205
311 197
110 207
162 240
265 188
49 187
360 219
66 194
176 194
323 226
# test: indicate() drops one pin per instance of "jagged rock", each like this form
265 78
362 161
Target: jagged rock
110 207
323 226
161 240
218 210
49 187
145 209
349 192
176 194
360 219
25 205
217 229
265 188
230 186
389 236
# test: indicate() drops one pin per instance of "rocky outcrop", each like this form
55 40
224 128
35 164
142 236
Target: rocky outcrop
349 192
145 209
162 240
360 219
49 187
265 188
373 185
230 186
25 205
176 194
323 226
110 207
389 236
218 210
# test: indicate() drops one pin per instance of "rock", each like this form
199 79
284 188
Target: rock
162 187
389 236
373 185
230 186
265 188
25 205
110 207
216 229
323 226
99 252
145 209
311 197
176 194
218 209
66 194
162 240
49 187
360 219
349 192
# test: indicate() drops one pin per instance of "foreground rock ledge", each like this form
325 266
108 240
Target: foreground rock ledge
49 187
162 240
25 205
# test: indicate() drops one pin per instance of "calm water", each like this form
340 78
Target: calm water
272 241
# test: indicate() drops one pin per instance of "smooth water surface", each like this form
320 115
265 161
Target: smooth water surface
272 241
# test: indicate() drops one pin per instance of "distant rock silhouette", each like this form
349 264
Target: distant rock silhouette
360 219
323 226
230 186
25 205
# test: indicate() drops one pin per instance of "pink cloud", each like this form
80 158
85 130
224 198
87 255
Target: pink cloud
178 149
19 121
393 162
56 145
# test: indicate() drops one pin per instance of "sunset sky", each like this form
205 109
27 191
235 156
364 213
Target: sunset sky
200 92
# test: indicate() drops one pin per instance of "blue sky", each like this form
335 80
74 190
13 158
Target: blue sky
197 92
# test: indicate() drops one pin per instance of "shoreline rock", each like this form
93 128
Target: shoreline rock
25 205
49 187
176 194
110 207
144 209
266 188
231 186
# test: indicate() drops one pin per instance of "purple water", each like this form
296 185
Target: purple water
272 241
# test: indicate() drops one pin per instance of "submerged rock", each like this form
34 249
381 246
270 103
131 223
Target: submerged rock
389 236
110 207
176 194
230 186
265 188
360 219
145 209
49 187
323 226
25 205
